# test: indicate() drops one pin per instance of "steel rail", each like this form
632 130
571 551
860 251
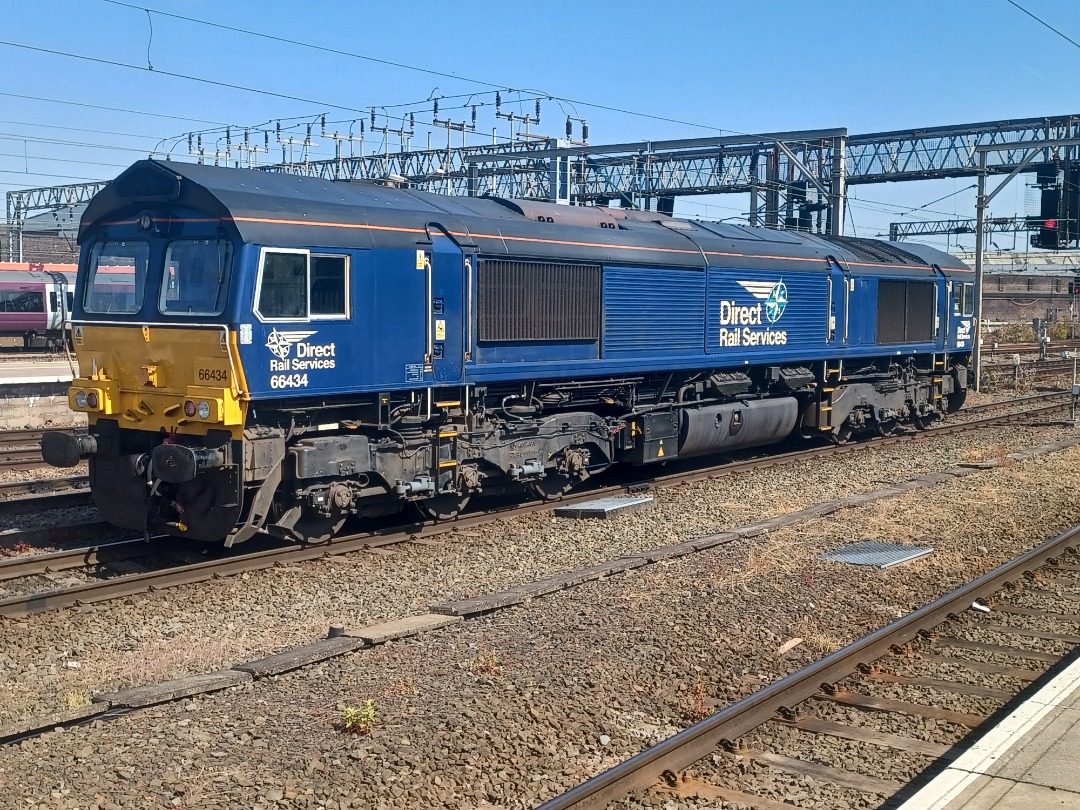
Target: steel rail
9 488
67 559
679 752
986 406
27 458
132 584
20 438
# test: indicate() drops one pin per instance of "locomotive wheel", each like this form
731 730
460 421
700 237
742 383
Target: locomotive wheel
552 486
924 422
442 507
308 530
955 400
886 427
841 435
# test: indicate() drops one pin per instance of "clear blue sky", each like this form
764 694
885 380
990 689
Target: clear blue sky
736 67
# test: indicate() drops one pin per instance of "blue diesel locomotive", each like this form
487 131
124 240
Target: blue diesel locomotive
268 353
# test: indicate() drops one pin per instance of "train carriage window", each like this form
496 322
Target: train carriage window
21 301
117 277
283 285
196 277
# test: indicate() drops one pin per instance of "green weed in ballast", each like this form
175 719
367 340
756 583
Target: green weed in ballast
359 719
75 698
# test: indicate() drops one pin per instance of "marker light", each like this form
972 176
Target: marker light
204 410
189 408
80 399
92 400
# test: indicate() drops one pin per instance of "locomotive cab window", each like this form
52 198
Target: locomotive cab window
329 286
298 285
967 299
196 277
117 278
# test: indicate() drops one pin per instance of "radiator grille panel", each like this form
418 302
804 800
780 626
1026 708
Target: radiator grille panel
905 311
531 301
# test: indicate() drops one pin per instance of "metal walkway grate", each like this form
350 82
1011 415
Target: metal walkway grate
603 507
876 553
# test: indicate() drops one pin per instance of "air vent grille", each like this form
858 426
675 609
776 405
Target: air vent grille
532 301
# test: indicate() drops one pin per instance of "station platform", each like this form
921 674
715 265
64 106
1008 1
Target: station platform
1030 759
22 372
34 394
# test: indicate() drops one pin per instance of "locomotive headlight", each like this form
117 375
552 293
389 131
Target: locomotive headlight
189 409
80 399
204 410
92 400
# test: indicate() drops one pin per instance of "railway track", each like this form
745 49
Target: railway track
104 586
12 568
22 496
1008 349
997 629
28 458
20 450
1026 372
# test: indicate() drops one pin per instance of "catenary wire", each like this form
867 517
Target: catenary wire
415 68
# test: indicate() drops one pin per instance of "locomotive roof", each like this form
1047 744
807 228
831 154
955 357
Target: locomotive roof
34 276
288 210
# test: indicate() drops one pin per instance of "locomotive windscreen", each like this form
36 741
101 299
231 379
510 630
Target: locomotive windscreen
905 311
528 301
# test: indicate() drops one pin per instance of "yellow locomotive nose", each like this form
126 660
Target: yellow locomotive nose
183 380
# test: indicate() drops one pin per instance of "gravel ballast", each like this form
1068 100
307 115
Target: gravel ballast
517 706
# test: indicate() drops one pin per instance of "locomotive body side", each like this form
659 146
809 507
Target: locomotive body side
270 354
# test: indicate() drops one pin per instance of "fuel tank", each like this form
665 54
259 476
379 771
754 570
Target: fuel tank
734 425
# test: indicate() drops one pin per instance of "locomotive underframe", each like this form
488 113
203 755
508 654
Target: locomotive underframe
302 468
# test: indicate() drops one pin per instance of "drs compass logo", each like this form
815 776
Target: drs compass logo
281 343
741 325
776 303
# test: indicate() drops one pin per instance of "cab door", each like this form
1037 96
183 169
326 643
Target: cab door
837 304
445 307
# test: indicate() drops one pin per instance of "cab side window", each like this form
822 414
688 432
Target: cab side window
329 288
298 285
283 285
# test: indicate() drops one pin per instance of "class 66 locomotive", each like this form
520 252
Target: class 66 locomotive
269 354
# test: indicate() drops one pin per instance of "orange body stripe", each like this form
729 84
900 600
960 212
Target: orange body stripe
532 239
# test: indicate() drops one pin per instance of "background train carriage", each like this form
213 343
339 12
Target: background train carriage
370 345
35 306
